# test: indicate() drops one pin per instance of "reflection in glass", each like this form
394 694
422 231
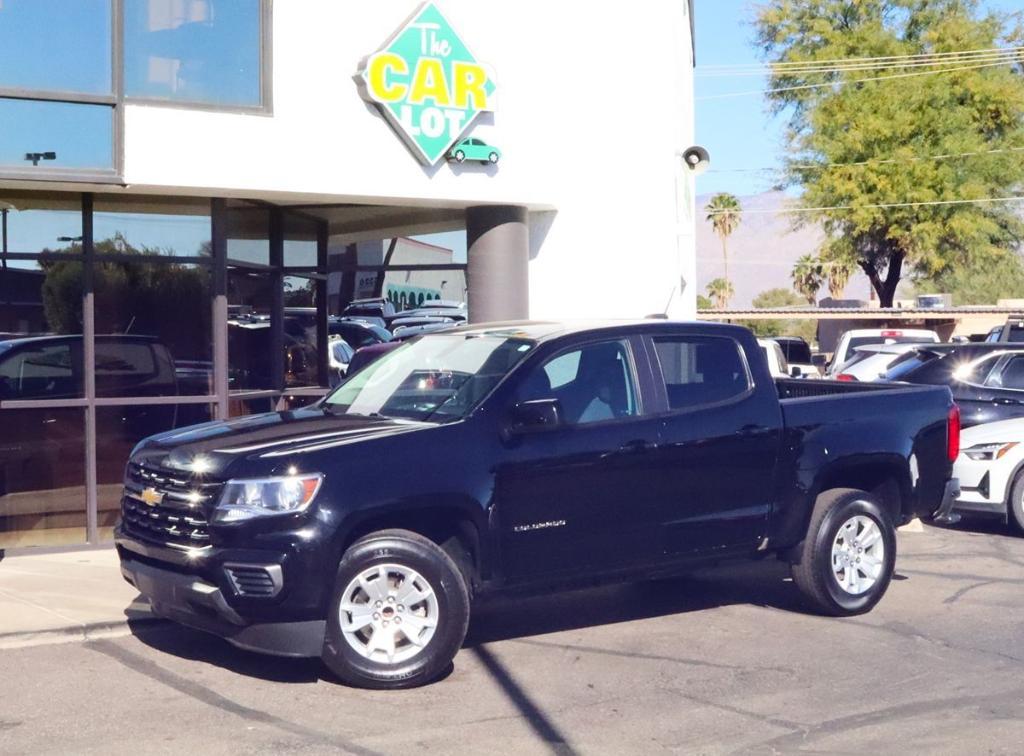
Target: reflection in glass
154 226
243 407
33 222
56 45
300 245
249 300
118 430
40 331
248 233
42 477
153 329
204 51
79 136
300 341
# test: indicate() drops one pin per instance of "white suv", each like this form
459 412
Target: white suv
850 340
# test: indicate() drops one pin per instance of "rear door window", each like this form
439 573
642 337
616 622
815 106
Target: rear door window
1011 376
41 371
701 370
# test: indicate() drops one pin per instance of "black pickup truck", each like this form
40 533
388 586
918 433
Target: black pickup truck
524 456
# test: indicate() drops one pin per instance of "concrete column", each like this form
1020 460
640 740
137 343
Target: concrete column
498 254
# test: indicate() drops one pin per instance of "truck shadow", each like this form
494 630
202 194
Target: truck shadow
755 584
759 584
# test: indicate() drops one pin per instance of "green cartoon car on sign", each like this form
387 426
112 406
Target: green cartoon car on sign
473 149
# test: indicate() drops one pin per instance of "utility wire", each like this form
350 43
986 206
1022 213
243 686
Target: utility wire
842 61
1008 57
850 81
874 161
876 206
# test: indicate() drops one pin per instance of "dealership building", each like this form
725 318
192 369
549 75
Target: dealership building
190 191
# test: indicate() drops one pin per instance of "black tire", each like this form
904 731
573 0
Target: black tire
460 156
814 574
1015 506
493 158
406 549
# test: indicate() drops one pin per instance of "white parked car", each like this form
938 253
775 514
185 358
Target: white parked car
871 363
776 359
850 340
989 469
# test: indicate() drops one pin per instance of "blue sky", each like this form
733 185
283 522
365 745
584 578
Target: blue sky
738 131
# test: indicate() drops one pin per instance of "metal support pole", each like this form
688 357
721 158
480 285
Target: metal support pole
89 371
277 361
219 249
322 334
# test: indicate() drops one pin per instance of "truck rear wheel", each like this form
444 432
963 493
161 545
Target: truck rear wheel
398 614
847 559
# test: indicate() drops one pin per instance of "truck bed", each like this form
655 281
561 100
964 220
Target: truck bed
797 388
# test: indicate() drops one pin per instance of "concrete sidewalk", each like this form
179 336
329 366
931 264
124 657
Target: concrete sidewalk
65 597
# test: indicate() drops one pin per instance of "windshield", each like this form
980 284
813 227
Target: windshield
910 362
438 377
796 351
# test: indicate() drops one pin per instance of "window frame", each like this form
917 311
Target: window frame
639 373
660 385
117 101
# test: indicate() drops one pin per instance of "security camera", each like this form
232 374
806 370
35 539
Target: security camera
697 159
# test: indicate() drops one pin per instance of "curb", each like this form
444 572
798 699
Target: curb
75 633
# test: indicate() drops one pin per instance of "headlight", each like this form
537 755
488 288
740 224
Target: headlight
989 452
260 497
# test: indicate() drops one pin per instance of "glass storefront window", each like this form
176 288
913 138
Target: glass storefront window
300 337
157 226
201 51
42 477
248 233
300 245
40 222
153 329
249 302
118 430
56 45
43 135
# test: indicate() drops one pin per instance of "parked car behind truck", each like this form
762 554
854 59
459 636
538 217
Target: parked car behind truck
547 455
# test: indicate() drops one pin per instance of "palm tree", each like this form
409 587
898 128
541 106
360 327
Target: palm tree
720 290
839 272
724 213
808 275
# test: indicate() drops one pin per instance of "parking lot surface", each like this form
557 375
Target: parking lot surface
723 661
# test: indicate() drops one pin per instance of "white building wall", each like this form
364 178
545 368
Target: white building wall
594 106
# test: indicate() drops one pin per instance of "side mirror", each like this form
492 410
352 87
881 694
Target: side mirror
535 415
796 372
819 360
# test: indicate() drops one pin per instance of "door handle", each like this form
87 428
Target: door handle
636 447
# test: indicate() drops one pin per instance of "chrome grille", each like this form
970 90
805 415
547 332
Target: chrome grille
166 507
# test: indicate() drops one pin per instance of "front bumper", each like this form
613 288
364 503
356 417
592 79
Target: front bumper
944 514
191 601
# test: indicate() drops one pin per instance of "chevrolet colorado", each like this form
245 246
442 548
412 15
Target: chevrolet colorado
524 456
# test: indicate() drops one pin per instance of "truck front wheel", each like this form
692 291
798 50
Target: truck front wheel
398 614
847 559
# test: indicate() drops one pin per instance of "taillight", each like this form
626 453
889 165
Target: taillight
846 378
953 434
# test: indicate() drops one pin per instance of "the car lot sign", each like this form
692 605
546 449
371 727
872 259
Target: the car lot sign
428 84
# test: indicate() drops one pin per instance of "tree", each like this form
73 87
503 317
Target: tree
880 143
983 283
703 303
724 213
720 290
808 274
838 273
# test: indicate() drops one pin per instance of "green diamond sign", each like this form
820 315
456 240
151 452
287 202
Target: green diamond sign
430 87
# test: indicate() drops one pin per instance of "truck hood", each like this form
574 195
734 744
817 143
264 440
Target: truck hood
208 449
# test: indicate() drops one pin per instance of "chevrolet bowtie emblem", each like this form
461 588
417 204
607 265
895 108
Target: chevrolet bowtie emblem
151 496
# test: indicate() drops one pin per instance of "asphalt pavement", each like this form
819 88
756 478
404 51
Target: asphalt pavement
724 661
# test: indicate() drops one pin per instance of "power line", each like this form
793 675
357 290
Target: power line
874 161
841 61
835 83
875 206
809 70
